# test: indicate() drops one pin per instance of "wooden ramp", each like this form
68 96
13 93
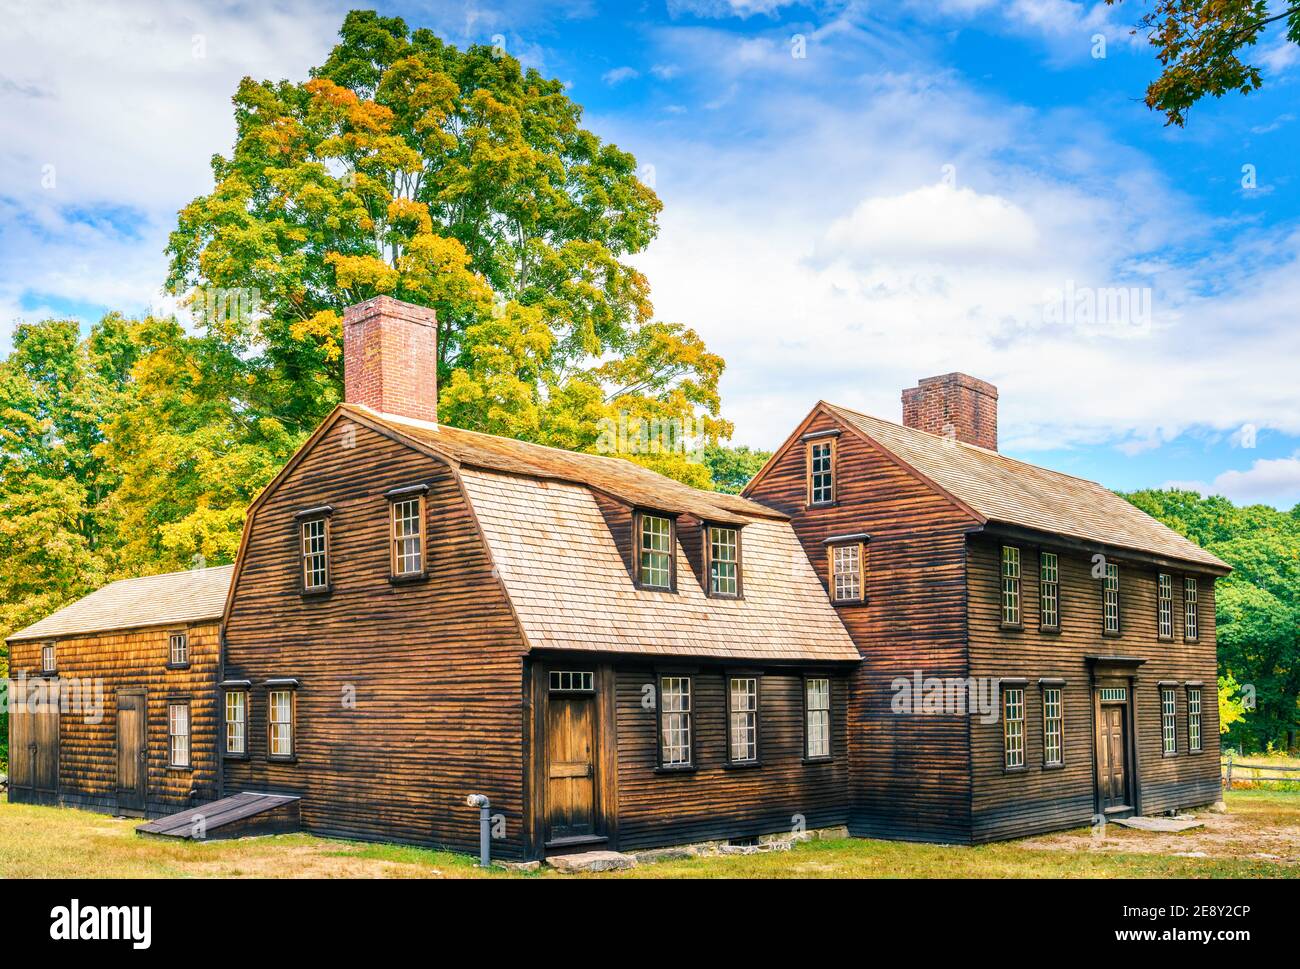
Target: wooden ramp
237 816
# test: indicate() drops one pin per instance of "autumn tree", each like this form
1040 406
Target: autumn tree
1203 48
453 179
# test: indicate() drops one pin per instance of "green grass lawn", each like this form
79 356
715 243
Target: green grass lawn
1259 838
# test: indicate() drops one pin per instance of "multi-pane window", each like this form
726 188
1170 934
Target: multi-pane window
1049 590
178 734
236 722
817 711
1165 606
1010 586
1013 726
571 681
743 747
724 561
1053 726
675 721
315 555
821 472
1190 630
1194 719
279 741
847 572
408 536
178 649
1110 599
656 555
47 658
1169 719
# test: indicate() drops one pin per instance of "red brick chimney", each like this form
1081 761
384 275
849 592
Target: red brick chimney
390 358
954 405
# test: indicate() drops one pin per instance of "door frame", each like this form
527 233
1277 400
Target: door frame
604 752
1116 671
143 694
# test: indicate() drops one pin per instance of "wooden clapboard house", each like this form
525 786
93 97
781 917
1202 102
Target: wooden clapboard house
949 561
419 613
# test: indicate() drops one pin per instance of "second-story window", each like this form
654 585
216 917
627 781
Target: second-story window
724 562
654 551
178 649
1110 600
1165 606
47 658
848 572
315 555
408 536
821 472
1049 591
1010 585
1191 629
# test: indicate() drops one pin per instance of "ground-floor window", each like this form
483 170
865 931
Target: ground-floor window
743 705
178 733
1169 719
817 716
1013 727
236 722
1053 726
675 721
1194 718
280 723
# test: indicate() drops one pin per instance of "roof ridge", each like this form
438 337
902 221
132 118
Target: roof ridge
163 575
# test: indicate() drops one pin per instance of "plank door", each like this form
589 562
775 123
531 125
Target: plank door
570 765
1110 756
132 750
33 750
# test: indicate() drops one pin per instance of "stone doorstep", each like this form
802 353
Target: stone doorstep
766 843
1161 825
591 861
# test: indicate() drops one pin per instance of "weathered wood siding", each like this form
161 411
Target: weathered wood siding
715 801
435 667
1007 804
910 774
128 660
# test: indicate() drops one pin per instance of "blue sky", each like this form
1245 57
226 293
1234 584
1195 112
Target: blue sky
934 186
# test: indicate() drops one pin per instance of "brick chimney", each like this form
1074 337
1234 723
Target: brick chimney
954 405
390 358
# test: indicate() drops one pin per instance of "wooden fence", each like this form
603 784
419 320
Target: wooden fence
1255 773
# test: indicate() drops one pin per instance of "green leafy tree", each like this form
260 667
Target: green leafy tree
731 468
1257 607
1203 49
1232 707
456 180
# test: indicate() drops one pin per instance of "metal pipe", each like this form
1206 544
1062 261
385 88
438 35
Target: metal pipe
484 828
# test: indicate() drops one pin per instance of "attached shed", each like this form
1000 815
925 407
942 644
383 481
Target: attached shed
115 697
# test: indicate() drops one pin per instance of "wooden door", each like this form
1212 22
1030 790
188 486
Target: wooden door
570 766
132 750
1110 757
33 750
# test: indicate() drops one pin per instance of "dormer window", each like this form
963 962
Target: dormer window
314 549
723 547
406 533
847 568
821 471
656 566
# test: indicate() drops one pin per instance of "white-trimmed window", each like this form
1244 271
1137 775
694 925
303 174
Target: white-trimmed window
236 722
48 659
1049 590
821 472
1169 719
1165 606
1194 719
1110 599
178 733
408 536
1010 585
655 551
848 572
675 721
315 554
1053 726
817 717
178 649
279 723
724 561
743 706
1013 726
1191 627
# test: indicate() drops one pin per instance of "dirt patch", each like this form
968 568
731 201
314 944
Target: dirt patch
310 861
1223 836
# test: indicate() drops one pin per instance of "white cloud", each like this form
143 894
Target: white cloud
620 74
1273 481
727 8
